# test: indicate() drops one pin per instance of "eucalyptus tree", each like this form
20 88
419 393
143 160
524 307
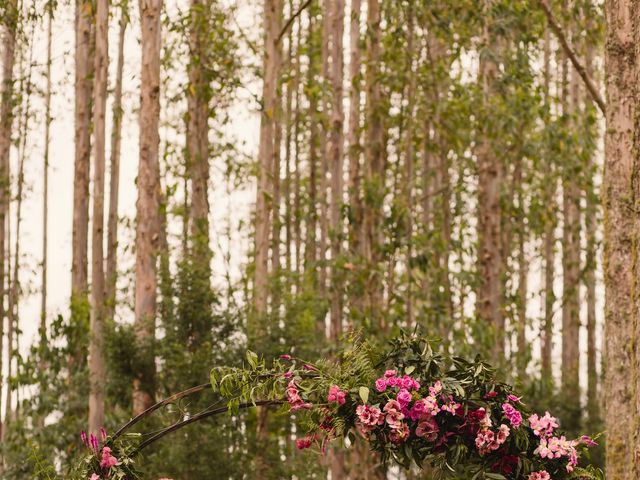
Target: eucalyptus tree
620 189
148 203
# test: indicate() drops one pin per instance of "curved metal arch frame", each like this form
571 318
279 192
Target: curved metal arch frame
183 423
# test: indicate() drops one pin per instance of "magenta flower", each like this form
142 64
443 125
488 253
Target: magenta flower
336 395
107 460
404 397
94 476
381 384
390 373
514 416
285 356
513 398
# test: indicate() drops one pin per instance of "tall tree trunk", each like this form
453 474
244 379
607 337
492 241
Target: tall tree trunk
14 282
621 269
409 152
373 164
198 130
489 256
590 219
353 133
336 151
111 277
45 183
83 88
10 23
571 259
549 240
271 68
97 367
148 203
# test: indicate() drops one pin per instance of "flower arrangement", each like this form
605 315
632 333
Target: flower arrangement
107 459
415 408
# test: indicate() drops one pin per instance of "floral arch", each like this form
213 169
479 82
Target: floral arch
411 405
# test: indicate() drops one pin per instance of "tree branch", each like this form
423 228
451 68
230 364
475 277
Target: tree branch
291 20
555 26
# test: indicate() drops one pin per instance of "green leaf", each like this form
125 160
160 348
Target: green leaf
409 370
252 358
364 394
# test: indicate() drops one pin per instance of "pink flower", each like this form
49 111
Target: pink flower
285 356
513 398
295 400
336 395
399 434
514 416
491 394
428 428
310 368
83 437
287 374
390 373
436 388
381 384
394 413
107 460
369 416
404 397
418 410
503 433
541 475
588 441
543 427
94 476
451 407
306 442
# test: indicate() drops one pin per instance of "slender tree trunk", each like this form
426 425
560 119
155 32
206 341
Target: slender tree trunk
489 256
620 188
45 184
14 282
353 134
97 367
523 273
373 164
590 218
10 23
148 204
571 260
409 152
83 89
114 174
549 240
198 131
336 152
271 65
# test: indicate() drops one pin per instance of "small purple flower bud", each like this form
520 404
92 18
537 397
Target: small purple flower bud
310 368
285 356
103 433
84 438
